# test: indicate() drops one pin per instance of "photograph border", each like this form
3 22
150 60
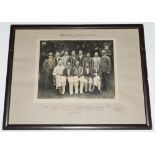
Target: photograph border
109 100
7 126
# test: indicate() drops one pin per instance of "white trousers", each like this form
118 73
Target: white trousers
97 82
61 82
88 82
78 80
70 81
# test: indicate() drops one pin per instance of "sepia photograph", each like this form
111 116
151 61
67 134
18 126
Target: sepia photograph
76 68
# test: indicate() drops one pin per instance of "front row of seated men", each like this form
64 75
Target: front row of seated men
79 79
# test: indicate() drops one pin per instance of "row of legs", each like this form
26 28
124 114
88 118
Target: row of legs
79 84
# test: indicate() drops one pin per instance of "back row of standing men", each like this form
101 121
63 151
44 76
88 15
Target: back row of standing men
81 72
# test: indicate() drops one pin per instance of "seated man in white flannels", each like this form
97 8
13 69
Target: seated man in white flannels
60 78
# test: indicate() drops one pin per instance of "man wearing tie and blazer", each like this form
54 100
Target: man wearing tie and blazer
69 73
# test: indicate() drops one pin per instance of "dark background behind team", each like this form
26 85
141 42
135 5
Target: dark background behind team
90 46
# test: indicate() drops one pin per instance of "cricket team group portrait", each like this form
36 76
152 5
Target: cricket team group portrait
76 68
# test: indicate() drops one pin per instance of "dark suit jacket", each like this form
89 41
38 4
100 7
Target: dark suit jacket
56 61
87 60
81 60
72 60
94 71
65 72
105 64
85 72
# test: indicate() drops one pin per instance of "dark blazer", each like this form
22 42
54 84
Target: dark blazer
48 65
85 72
78 71
56 61
87 60
94 71
105 64
65 72
81 60
72 60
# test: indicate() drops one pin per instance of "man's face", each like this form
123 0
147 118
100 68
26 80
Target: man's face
62 52
80 52
88 55
104 53
57 54
87 65
77 63
73 53
96 54
66 53
106 47
68 64
50 56
60 63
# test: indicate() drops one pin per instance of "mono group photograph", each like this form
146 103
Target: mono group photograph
76 69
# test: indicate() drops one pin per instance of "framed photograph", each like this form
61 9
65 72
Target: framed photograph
77 77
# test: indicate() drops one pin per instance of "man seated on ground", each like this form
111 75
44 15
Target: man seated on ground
96 78
78 77
60 79
68 73
87 78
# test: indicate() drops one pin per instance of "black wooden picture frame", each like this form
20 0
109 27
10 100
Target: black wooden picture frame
7 126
